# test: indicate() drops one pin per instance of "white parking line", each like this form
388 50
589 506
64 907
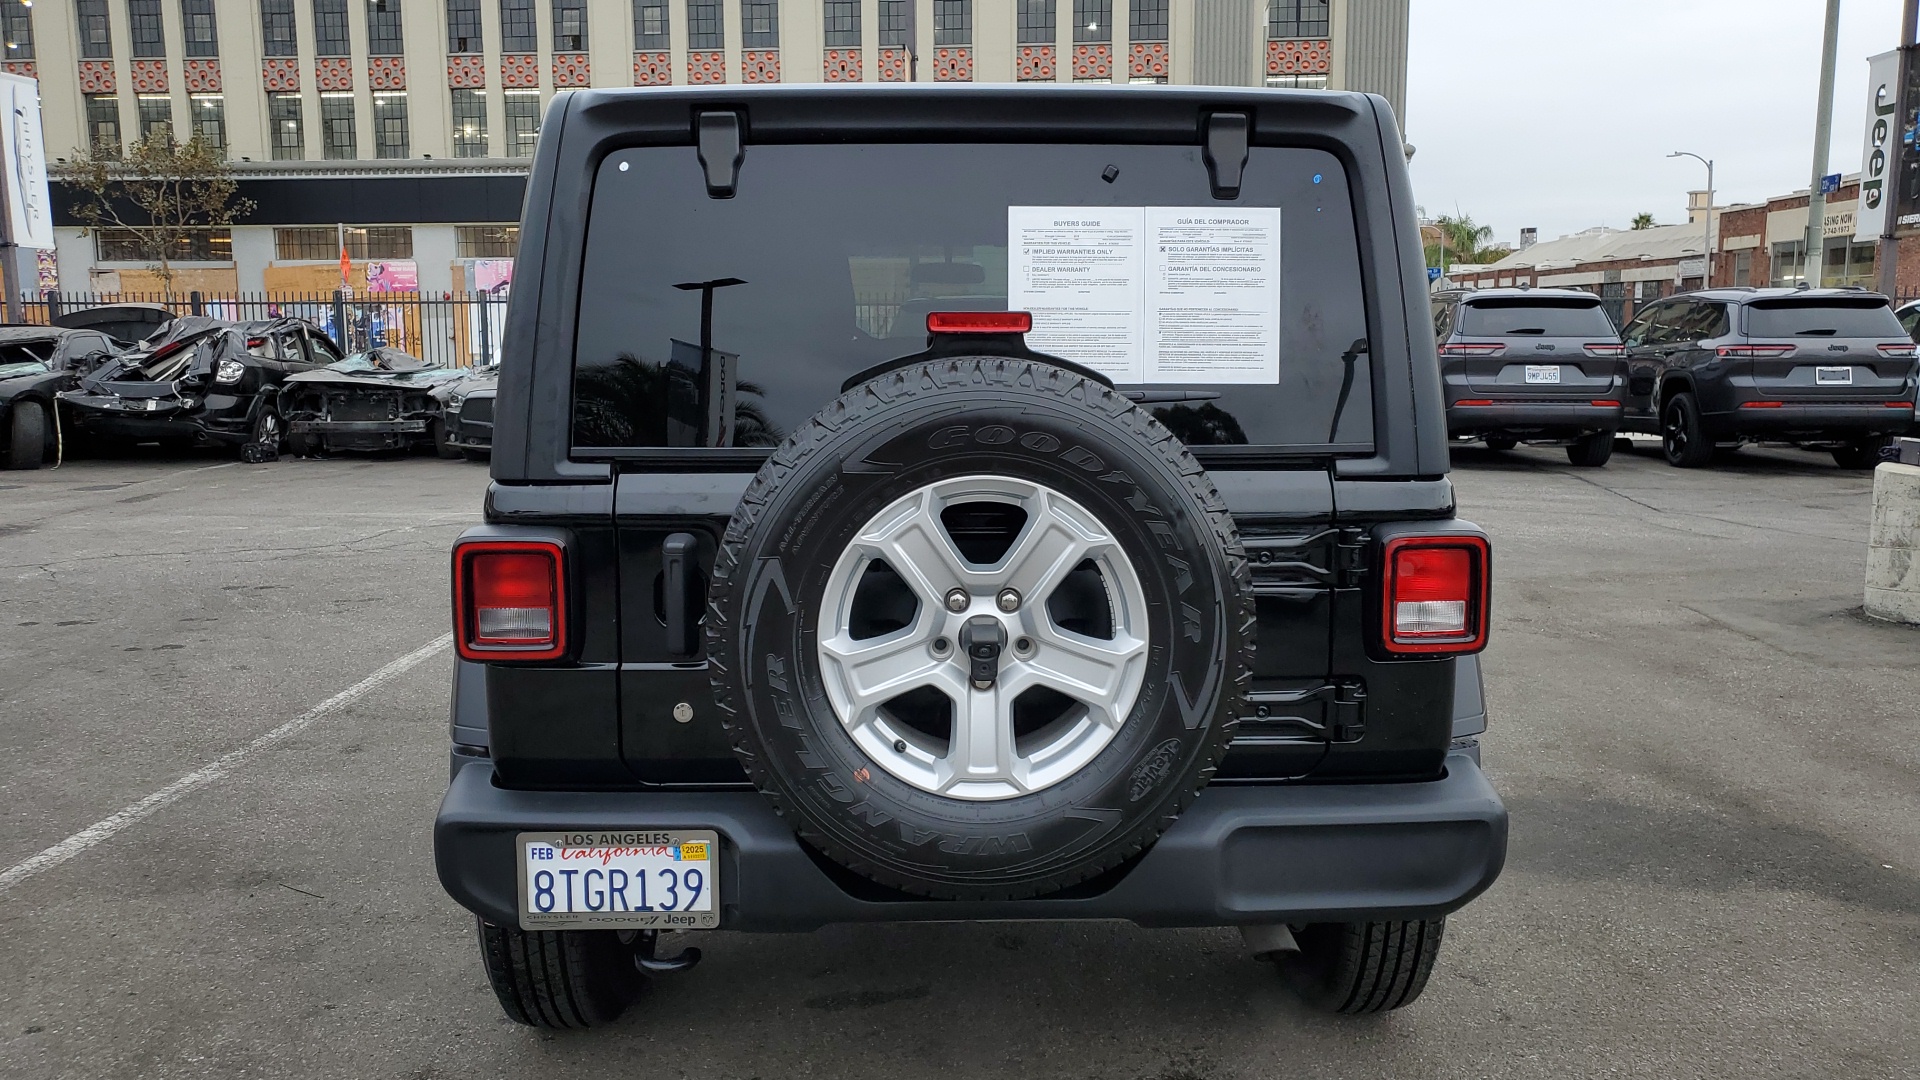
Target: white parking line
213 770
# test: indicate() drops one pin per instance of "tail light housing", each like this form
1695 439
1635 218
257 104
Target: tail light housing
1471 348
1754 352
1896 349
510 600
1435 595
1605 349
979 322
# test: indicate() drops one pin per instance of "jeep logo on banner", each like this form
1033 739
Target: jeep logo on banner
1883 101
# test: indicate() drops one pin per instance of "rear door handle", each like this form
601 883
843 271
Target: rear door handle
679 557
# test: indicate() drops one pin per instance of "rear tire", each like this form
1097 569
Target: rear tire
1591 451
1356 968
559 979
1864 454
443 441
1501 442
27 444
1682 440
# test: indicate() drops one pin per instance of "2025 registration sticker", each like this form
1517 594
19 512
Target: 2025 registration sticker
642 880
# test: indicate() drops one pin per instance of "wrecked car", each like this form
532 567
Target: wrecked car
381 399
198 381
466 415
36 363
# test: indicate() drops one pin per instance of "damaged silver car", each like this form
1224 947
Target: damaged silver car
377 400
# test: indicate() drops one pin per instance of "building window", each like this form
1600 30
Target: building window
1147 21
103 123
289 138
893 23
390 124
1789 263
336 127
517 34
569 25
383 30
1743 268
16 25
843 24
143 22
1036 22
704 30
953 22
486 241
469 123
463 26
156 114
331 37
276 28
1093 21
321 243
210 120
523 122
1298 82
759 24
96 35
197 28
192 245
649 25
1297 19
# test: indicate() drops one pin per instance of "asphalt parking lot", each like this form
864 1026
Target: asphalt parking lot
1709 755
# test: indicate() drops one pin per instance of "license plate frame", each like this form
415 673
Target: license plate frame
624 850
1543 374
1833 376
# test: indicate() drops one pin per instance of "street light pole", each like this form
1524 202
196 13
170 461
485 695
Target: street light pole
1822 144
1706 249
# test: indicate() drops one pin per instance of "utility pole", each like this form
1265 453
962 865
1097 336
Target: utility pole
1822 144
1897 152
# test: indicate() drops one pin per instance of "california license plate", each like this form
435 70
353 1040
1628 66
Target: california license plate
1543 373
1833 376
644 880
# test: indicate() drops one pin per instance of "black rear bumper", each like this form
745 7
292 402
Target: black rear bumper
1547 419
1811 420
1238 855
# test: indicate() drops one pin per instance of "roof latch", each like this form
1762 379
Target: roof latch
721 151
1226 153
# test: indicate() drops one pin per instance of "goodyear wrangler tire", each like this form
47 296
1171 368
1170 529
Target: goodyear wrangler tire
980 629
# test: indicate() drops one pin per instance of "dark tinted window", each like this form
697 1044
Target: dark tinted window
825 264
1699 321
1823 318
1534 317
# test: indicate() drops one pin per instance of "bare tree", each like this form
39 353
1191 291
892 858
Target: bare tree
159 193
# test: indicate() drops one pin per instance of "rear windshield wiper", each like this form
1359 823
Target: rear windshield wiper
1828 332
1528 330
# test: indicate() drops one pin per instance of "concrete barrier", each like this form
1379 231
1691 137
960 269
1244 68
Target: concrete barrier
1893 570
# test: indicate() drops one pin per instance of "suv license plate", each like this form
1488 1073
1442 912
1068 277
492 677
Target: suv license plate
664 879
1833 376
1543 373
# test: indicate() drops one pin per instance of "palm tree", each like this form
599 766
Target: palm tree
1461 240
1642 221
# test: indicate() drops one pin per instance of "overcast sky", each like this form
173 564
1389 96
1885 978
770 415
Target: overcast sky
1560 115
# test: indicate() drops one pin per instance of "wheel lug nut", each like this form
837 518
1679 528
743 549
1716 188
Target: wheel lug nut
1009 600
957 600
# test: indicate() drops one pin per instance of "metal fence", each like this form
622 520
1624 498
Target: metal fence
454 329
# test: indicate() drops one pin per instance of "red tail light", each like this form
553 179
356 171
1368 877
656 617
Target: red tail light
1474 401
1467 348
1435 597
1604 403
1605 349
1899 404
1896 348
1763 404
979 322
510 600
1754 352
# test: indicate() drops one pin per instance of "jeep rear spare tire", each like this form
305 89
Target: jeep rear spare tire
980 629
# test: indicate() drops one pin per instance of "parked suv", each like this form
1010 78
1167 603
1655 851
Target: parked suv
1820 369
841 562
1530 365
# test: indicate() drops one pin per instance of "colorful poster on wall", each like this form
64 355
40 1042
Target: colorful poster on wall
395 275
47 270
492 279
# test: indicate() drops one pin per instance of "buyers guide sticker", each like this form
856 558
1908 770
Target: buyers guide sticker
1157 294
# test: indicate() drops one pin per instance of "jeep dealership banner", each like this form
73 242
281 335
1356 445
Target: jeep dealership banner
1883 105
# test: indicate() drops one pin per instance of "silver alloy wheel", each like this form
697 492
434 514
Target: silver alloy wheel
984 755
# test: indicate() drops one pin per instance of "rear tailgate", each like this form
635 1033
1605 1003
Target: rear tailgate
1825 349
1546 348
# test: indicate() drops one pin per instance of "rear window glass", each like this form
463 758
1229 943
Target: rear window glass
727 322
1531 317
1801 318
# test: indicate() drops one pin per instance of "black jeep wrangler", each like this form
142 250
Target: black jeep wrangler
964 503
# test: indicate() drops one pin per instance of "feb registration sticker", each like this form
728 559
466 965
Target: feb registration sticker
648 880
